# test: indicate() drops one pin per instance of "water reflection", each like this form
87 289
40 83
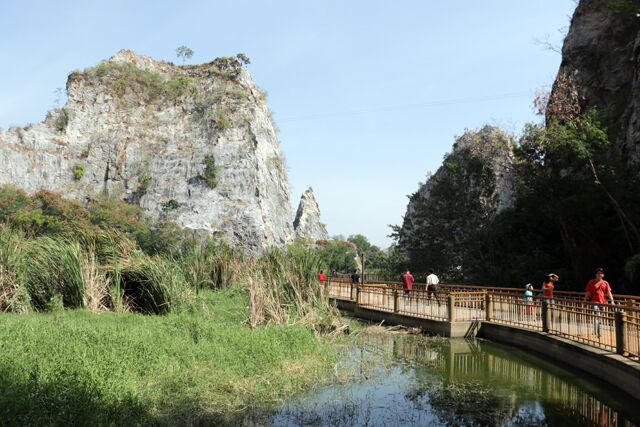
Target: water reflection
417 380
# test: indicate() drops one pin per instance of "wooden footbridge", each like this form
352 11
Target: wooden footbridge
458 310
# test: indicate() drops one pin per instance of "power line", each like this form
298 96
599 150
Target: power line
438 103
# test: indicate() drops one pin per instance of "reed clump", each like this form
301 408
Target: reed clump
283 288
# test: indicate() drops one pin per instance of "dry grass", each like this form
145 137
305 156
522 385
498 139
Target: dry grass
283 288
96 282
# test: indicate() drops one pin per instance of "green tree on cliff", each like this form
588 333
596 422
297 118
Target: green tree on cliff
184 53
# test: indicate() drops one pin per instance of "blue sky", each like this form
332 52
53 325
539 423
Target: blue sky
368 95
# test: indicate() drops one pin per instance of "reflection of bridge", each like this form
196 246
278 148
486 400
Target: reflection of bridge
464 309
469 360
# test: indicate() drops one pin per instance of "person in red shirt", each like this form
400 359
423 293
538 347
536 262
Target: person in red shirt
598 288
407 282
321 277
595 293
548 285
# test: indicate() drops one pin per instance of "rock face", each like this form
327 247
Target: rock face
475 182
601 63
307 223
192 144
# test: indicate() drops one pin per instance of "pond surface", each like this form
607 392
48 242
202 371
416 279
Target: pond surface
417 380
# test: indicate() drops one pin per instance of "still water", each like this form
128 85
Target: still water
399 379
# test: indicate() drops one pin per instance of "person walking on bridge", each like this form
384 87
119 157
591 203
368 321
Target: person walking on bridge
595 292
321 278
432 284
355 278
407 282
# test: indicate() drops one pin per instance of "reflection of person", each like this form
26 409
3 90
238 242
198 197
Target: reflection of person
595 292
407 282
432 283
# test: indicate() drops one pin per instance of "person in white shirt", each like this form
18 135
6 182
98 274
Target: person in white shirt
432 284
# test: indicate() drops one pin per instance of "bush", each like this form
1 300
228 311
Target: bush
179 87
78 171
170 205
143 184
61 121
337 255
43 213
226 67
48 214
210 173
221 121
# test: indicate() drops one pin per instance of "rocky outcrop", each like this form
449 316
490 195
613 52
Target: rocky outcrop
601 64
307 223
192 144
475 182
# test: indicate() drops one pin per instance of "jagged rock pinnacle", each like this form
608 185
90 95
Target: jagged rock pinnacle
307 224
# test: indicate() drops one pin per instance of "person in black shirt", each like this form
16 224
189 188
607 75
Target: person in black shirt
355 278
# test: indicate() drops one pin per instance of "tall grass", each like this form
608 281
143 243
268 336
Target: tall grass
153 285
283 288
96 281
210 264
55 268
14 296
110 273
102 274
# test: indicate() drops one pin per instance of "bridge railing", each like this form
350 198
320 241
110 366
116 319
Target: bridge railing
586 323
341 289
629 300
421 304
380 298
511 309
391 280
631 334
610 327
467 305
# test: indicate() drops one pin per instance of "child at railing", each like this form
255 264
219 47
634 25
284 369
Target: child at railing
528 299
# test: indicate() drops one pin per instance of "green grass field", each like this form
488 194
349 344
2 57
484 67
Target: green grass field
197 365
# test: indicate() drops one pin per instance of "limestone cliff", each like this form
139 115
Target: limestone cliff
475 182
601 68
194 144
307 223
